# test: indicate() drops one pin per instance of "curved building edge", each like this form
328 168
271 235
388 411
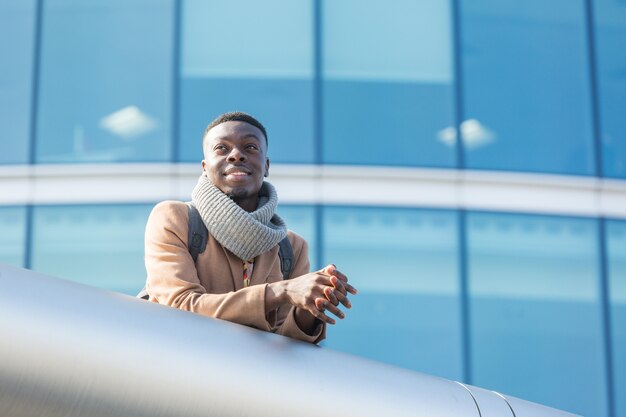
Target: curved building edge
326 185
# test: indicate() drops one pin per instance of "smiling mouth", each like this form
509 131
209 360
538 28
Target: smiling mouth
236 173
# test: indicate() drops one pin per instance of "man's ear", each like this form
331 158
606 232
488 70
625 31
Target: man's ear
204 167
267 167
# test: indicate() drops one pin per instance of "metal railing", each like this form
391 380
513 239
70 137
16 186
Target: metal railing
71 350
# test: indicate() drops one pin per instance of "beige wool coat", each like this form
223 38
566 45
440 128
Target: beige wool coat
213 286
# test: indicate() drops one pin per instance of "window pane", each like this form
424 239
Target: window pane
13 235
527 102
17 33
96 245
610 24
105 83
616 247
388 78
535 313
264 67
404 263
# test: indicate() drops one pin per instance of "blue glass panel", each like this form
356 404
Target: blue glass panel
106 81
610 24
535 313
404 263
17 41
388 78
527 101
12 235
301 219
95 245
616 248
264 68
283 106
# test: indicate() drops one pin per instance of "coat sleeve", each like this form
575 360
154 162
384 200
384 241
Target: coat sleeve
289 327
172 278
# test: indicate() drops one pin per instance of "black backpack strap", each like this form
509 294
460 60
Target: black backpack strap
197 237
285 253
198 234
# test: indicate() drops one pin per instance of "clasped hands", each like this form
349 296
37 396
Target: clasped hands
320 292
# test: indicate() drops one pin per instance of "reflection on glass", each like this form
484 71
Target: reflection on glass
404 263
106 81
249 56
388 79
301 219
526 79
17 41
12 235
95 245
535 313
610 25
616 248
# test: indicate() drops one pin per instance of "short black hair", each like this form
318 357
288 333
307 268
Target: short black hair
235 116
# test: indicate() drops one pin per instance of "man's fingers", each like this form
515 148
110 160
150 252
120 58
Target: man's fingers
344 285
340 275
337 273
333 309
321 316
329 292
351 289
340 292
346 302
338 284
323 304
329 269
343 289
318 311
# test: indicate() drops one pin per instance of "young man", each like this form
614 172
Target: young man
238 276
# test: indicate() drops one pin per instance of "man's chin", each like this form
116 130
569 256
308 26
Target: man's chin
237 194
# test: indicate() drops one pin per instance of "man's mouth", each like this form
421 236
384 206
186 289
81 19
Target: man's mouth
237 172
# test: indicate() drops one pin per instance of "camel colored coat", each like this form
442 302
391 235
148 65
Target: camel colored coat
213 286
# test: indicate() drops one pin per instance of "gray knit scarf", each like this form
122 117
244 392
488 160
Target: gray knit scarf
247 235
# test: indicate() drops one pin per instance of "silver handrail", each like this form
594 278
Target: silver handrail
71 350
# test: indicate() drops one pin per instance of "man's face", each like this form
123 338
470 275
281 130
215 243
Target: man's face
235 160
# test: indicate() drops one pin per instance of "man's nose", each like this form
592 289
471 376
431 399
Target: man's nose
236 155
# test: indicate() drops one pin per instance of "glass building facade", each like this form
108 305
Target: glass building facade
491 287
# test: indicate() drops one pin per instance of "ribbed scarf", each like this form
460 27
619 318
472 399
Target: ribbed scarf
247 235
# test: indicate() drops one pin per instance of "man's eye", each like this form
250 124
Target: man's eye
220 147
252 146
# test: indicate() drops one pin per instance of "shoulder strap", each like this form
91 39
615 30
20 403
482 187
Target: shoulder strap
198 234
285 253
